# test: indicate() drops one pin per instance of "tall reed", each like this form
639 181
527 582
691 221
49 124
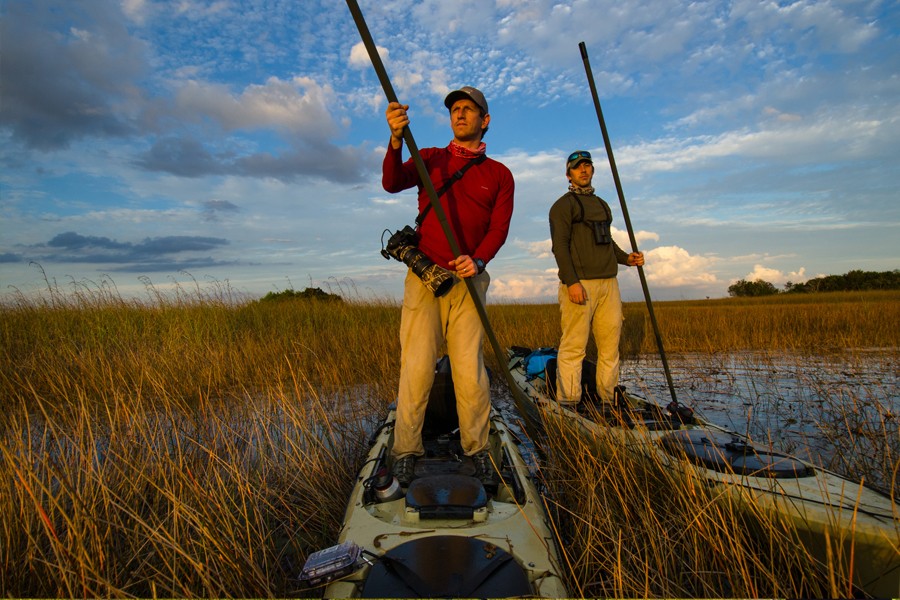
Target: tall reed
180 449
813 322
199 444
635 527
147 496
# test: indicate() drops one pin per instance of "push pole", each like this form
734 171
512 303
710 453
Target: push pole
518 395
615 173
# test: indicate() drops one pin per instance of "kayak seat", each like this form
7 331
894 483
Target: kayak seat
728 453
446 496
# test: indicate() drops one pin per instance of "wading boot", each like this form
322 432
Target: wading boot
484 470
405 470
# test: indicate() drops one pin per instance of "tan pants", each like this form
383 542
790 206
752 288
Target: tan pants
602 314
425 323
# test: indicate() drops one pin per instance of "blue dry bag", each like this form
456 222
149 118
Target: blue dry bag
536 362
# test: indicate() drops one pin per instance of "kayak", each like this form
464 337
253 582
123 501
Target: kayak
446 534
836 518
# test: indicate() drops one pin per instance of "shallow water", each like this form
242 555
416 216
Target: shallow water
835 410
793 401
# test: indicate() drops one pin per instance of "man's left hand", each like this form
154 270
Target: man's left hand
465 266
636 259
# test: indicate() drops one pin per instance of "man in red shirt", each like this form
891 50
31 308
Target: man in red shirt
479 208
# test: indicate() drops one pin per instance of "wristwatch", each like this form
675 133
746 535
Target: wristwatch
480 264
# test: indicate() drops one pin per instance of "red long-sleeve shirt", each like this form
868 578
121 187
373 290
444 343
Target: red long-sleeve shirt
479 206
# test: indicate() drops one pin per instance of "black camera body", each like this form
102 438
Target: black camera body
403 246
400 239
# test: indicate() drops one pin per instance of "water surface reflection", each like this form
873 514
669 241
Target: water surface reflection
839 410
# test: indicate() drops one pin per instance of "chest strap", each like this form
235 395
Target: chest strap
449 183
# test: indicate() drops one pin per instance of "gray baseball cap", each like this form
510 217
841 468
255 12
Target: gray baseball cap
577 157
469 92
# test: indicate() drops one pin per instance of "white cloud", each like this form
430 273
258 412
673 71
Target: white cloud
392 201
525 287
406 80
790 138
544 248
300 105
640 236
671 266
541 249
826 25
359 56
136 10
770 111
775 276
738 125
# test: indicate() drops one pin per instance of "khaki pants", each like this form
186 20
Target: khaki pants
425 323
602 314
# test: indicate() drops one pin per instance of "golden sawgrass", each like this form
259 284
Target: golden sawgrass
814 322
198 446
637 528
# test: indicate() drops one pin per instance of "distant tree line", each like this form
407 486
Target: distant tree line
307 294
853 281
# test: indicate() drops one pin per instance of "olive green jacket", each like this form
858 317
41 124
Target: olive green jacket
577 255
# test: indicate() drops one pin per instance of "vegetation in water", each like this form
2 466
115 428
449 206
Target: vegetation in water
195 445
637 529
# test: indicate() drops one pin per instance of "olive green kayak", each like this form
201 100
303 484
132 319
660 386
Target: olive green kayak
835 518
447 534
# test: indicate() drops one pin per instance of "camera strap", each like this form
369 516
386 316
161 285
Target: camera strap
449 183
580 218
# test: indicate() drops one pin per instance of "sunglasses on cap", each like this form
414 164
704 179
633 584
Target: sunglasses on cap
580 154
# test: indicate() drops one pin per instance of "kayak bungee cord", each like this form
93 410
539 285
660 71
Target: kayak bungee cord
674 407
517 394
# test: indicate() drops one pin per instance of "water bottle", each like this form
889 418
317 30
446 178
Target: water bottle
386 486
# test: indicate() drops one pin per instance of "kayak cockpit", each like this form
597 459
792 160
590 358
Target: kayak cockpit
446 566
449 531
728 453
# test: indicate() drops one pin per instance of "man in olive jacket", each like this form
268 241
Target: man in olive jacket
589 300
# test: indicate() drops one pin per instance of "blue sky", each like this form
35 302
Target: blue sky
239 143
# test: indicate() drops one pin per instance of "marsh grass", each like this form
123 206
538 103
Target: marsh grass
183 448
636 528
197 444
149 497
817 322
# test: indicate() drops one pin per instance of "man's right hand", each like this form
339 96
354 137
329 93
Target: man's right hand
577 293
397 120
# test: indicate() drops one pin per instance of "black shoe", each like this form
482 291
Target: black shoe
484 469
405 470
620 399
615 415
